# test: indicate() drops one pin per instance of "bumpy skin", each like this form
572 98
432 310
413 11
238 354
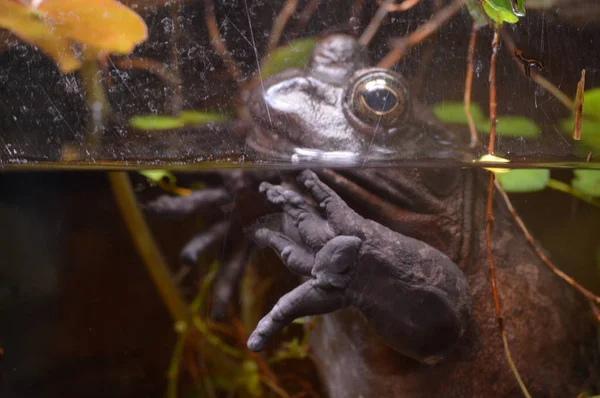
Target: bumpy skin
414 296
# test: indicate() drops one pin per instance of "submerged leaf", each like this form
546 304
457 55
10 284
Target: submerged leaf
590 122
524 180
587 182
592 103
185 118
294 55
454 112
159 176
196 117
512 126
516 126
155 122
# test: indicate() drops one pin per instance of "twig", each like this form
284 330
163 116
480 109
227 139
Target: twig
405 5
402 45
149 65
357 7
493 103
489 219
217 41
536 77
469 86
147 248
579 107
374 24
279 25
304 17
586 293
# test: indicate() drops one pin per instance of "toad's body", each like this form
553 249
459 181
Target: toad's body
397 257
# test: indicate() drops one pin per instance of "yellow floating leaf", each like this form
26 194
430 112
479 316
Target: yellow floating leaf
24 23
105 24
52 26
494 159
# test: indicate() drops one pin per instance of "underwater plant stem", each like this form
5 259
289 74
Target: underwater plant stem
403 6
146 246
489 220
98 105
175 365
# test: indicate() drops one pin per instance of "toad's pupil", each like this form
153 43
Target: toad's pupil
380 100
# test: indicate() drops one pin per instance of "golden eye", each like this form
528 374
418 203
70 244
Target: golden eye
378 97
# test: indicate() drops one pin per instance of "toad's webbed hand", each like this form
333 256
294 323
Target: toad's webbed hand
414 296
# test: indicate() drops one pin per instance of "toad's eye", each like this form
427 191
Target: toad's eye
377 97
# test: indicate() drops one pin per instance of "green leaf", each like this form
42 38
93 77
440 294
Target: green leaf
513 126
196 117
587 182
516 126
155 122
590 131
294 55
476 12
591 103
502 11
185 118
524 180
454 112
157 176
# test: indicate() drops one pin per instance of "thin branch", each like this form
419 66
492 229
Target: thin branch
304 17
469 86
579 107
375 23
217 41
150 65
536 77
405 5
402 45
357 7
586 293
493 103
279 25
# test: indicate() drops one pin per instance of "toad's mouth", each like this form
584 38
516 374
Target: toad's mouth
273 143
